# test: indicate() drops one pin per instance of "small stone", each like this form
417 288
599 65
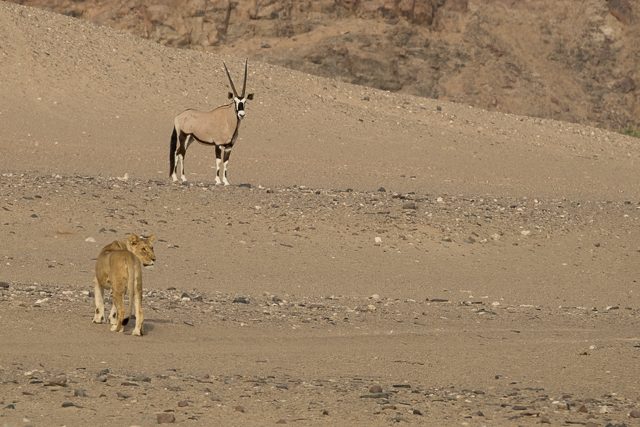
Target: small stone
281 421
417 412
545 420
122 396
325 412
375 389
4 285
410 205
165 418
635 413
141 378
90 240
239 408
519 408
68 405
241 300
58 381
10 406
377 240
382 190
583 409
183 403
478 414
79 392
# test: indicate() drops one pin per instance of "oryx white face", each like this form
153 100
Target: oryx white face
239 101
240 104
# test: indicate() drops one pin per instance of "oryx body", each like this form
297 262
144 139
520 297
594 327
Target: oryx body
218 127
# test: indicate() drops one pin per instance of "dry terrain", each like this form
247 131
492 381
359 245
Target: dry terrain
379 259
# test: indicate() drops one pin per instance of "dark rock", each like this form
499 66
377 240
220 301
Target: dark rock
519 408
375 389
241 300
141 378
69 405
183 403
324 412
621 9
79 392
417 412
375 395
635 413
59 381
165 418
239 408
410 205
10 406
122 396
4 285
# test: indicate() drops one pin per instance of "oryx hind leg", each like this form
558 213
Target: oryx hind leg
184 145
218 164
181 150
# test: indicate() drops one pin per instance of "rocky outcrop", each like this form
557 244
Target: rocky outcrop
543 58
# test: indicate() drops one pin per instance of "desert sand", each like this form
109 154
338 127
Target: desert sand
378 259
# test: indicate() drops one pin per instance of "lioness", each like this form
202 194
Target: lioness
118 268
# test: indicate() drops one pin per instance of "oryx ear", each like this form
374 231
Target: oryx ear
230 95
250 96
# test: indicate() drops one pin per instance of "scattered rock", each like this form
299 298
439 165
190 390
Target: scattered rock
165 418
69 405
375 389
59 381
241 300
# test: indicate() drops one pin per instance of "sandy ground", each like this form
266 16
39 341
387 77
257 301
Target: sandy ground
379 258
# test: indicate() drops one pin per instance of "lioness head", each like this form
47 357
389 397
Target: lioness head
142 247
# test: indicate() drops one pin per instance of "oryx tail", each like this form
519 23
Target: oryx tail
172 151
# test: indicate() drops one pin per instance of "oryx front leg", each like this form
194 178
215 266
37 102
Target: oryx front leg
218 164
98 317
225 165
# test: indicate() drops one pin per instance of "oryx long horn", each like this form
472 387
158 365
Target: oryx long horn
244 84
235 92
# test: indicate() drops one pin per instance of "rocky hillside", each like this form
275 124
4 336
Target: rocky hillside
545 58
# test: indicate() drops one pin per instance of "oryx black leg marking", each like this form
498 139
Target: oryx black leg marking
225 165
218 164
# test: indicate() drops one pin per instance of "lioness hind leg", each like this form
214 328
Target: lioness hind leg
118 302
112 313
135 300
98 317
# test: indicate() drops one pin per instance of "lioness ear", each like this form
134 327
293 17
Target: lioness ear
133 238
151 238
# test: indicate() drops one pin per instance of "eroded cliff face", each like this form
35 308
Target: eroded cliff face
547 58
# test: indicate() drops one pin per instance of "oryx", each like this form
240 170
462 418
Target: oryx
218 127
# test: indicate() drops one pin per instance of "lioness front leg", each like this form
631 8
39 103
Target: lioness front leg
98 317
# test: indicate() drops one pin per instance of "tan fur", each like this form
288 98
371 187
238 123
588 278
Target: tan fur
214 127
119 268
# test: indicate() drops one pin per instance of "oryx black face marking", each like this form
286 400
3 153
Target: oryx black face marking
218 127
